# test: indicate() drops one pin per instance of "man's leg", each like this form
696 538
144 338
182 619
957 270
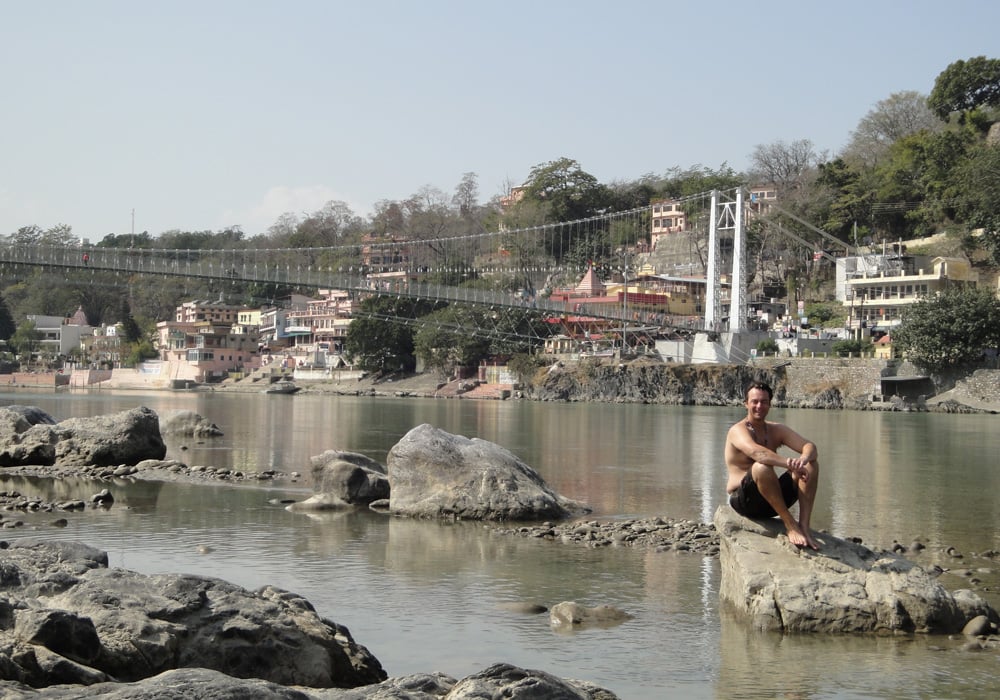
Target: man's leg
807 497
767 483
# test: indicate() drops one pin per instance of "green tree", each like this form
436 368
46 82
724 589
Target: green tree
950 331
845 348
978 195
7 325
448 340
380 338
560 191
25 340
130 329
965 86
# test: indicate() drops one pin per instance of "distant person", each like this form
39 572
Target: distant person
755 489
86 258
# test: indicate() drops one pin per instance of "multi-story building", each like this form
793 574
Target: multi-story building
321 327
275 323
876 289
666 218
103 348
206 342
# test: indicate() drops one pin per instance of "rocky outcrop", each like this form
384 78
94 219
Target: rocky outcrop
497 681
127 437
843 588
435 474
188 424
66 618
344 479
72 628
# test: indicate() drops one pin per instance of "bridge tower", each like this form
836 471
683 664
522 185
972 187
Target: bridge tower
726 217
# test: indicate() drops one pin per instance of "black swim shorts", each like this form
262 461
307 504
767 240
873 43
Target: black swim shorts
747 501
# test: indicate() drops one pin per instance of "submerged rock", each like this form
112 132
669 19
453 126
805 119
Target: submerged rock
188 424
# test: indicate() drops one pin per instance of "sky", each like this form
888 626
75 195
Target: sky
120 116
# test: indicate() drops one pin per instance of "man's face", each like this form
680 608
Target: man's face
758 404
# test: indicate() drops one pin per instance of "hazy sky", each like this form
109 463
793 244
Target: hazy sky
201 115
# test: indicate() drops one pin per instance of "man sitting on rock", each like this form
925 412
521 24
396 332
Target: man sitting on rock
755 490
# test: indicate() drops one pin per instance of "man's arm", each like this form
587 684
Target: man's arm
791 439
741 439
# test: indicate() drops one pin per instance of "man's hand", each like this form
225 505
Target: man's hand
797 466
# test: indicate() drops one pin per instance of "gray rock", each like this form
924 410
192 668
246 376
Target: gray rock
206 684
572 615
436 474
189 424
513 683
127 437
845 587
347 478
33 414
129 626
24 442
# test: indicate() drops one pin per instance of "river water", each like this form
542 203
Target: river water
426 596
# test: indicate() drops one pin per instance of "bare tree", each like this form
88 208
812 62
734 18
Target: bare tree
784 165
897 116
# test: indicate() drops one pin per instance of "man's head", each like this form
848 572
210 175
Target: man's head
759 385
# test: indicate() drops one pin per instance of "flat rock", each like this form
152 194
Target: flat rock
843 588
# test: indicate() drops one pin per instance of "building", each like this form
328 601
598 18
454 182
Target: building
666 218
877 289
59 336
206 342
103 348
321 327
273 332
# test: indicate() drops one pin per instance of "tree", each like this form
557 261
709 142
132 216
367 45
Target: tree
380 339
950 331
897 116
447 339
965 86
7 325
978 194
25 340
568 192
130 329
782 164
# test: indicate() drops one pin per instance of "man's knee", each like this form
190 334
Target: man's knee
763 472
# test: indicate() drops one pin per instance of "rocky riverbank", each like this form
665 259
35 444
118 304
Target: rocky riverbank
823 383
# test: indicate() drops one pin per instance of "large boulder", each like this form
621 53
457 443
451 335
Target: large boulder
844 587
188 424
66 618
127 437
435 474
343 479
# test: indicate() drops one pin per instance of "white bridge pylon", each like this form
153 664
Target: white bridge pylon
726 216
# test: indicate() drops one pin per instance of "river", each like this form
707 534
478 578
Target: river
426 596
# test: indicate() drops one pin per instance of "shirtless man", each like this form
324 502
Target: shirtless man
754 489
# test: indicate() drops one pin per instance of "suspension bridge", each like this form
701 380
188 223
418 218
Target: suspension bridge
512 270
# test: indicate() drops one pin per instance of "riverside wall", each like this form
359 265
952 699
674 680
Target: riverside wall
830 383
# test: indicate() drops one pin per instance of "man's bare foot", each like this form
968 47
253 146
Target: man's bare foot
800 538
